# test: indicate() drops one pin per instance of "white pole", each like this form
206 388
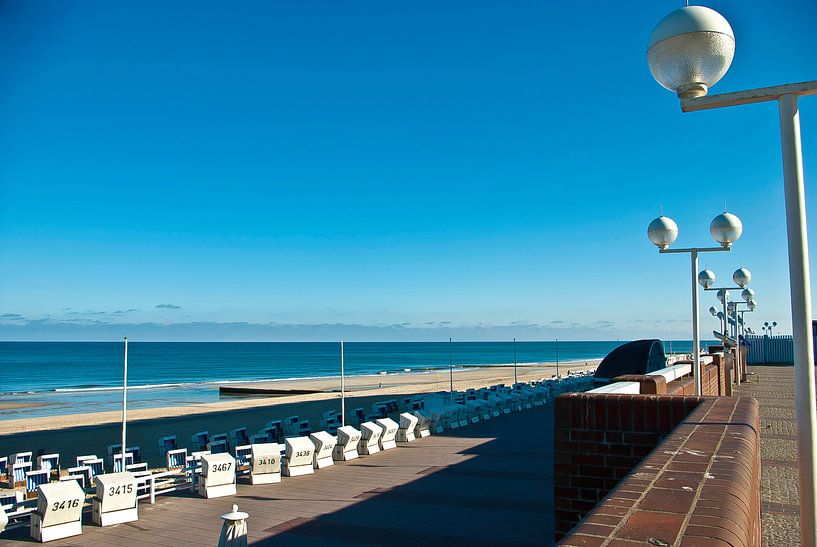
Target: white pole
450 373
514 361
800 282
696 329
124 403
342 388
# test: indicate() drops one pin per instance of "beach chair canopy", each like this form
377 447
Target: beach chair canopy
636 357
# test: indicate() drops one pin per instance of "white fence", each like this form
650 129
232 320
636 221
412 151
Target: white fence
770 349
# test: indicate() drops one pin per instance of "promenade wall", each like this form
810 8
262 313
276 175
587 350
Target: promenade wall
662 465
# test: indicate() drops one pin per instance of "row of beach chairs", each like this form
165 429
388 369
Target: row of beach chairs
282 448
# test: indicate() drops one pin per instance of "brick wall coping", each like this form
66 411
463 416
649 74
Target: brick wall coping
699 486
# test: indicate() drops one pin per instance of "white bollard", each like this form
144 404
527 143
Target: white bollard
217 476
234 529
369 442
265 463
59 511
346 446
115 499
405 434
324 445
299 452
390 428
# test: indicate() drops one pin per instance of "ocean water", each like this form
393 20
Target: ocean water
49 378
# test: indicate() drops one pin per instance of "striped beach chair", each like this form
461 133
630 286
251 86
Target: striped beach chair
4 467
177 458
117 461
259 438
219 447
200 440
33 480
79 476
82 459
167 443
17 475
97 466
20 457
239 437
50 463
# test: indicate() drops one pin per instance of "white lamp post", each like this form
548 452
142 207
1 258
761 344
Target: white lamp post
725 228
689 51
741 277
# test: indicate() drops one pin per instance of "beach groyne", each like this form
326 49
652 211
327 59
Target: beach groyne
659 465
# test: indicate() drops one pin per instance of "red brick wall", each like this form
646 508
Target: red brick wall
599 439
700 487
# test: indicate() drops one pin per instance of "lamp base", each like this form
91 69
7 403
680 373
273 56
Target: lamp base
692 91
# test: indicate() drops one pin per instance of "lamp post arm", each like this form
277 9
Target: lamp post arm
695 250
750 96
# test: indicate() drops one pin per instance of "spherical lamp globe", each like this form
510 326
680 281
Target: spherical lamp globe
662 232
706 278
690 50
713 311
726 228
753 305
748 295
742 277
722 294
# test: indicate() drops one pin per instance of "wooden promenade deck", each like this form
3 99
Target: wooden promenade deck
485 484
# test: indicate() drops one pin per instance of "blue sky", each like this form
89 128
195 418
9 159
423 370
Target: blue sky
377 170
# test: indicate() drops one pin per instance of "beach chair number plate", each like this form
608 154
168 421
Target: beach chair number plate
64 504
303 453
265 461
120 490
222 466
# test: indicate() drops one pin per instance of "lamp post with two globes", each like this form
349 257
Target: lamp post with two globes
725 228
689 51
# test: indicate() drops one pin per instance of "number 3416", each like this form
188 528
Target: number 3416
64 504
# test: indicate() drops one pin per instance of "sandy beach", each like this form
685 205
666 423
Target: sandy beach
91 433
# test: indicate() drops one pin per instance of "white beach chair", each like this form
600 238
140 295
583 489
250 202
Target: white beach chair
20 457
423 427
390 428
346 446
59 511
299 456
265 463
4 467
217 476
324 445
408 422
370 434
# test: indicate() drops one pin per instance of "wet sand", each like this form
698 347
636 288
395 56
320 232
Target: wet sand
91 433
